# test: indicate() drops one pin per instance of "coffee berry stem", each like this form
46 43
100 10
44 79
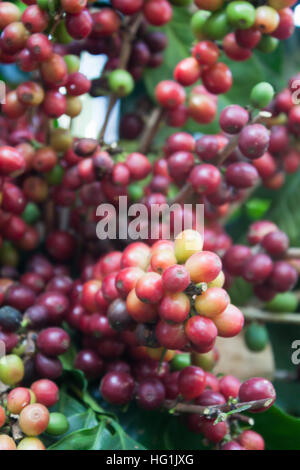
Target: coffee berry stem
214 410
128 35
253 313
150 130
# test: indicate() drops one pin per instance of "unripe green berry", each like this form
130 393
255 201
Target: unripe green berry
73 62
240 14
11 369
61 34
180 361
285 302
217 26
135 192
120 82
267 44
58 424
261 95
256 337
8 254
55 176
198 21
31 213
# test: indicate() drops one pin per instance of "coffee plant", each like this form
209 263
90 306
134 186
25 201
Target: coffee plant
120 332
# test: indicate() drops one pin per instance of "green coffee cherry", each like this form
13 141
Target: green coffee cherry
58 424
180 361
217 26
261 95
8 254
55 176
198 21
120 82
240 14
11 369
31 213
206 361
73 62
61 34
256 337
285 302
267 44
135 192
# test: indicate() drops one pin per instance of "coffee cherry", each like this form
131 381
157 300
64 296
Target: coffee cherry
261 95
10 318
229 386
241 175
204 266
202 332
150 394
214 432
34 419
149 288
275 243
216 26
232 445
127 7
171 336
117 387
120 82
157 12
285 302
241 14
17 399
248 38
31 443
191 382
257 388
7 443
48 367
251 440
40 49
14 37
2 416
256 337
46 392
169 94
259 229
266 19
79 26
230 322
11 369
257 268
174 307
254 140
267 44
118 317
187 71
206 53
186 244
58 424
212 302
198 22
9 13
12 163
283 276
175 278
35 19
138 165
205 178
217 78
233 118
138 310
53 341
286 26
235 258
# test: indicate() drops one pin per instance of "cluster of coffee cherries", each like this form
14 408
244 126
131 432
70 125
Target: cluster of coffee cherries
153 301
260 27
157 386
33 307
264 265
24 413
243 27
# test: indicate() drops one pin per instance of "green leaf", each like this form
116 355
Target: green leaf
279 430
